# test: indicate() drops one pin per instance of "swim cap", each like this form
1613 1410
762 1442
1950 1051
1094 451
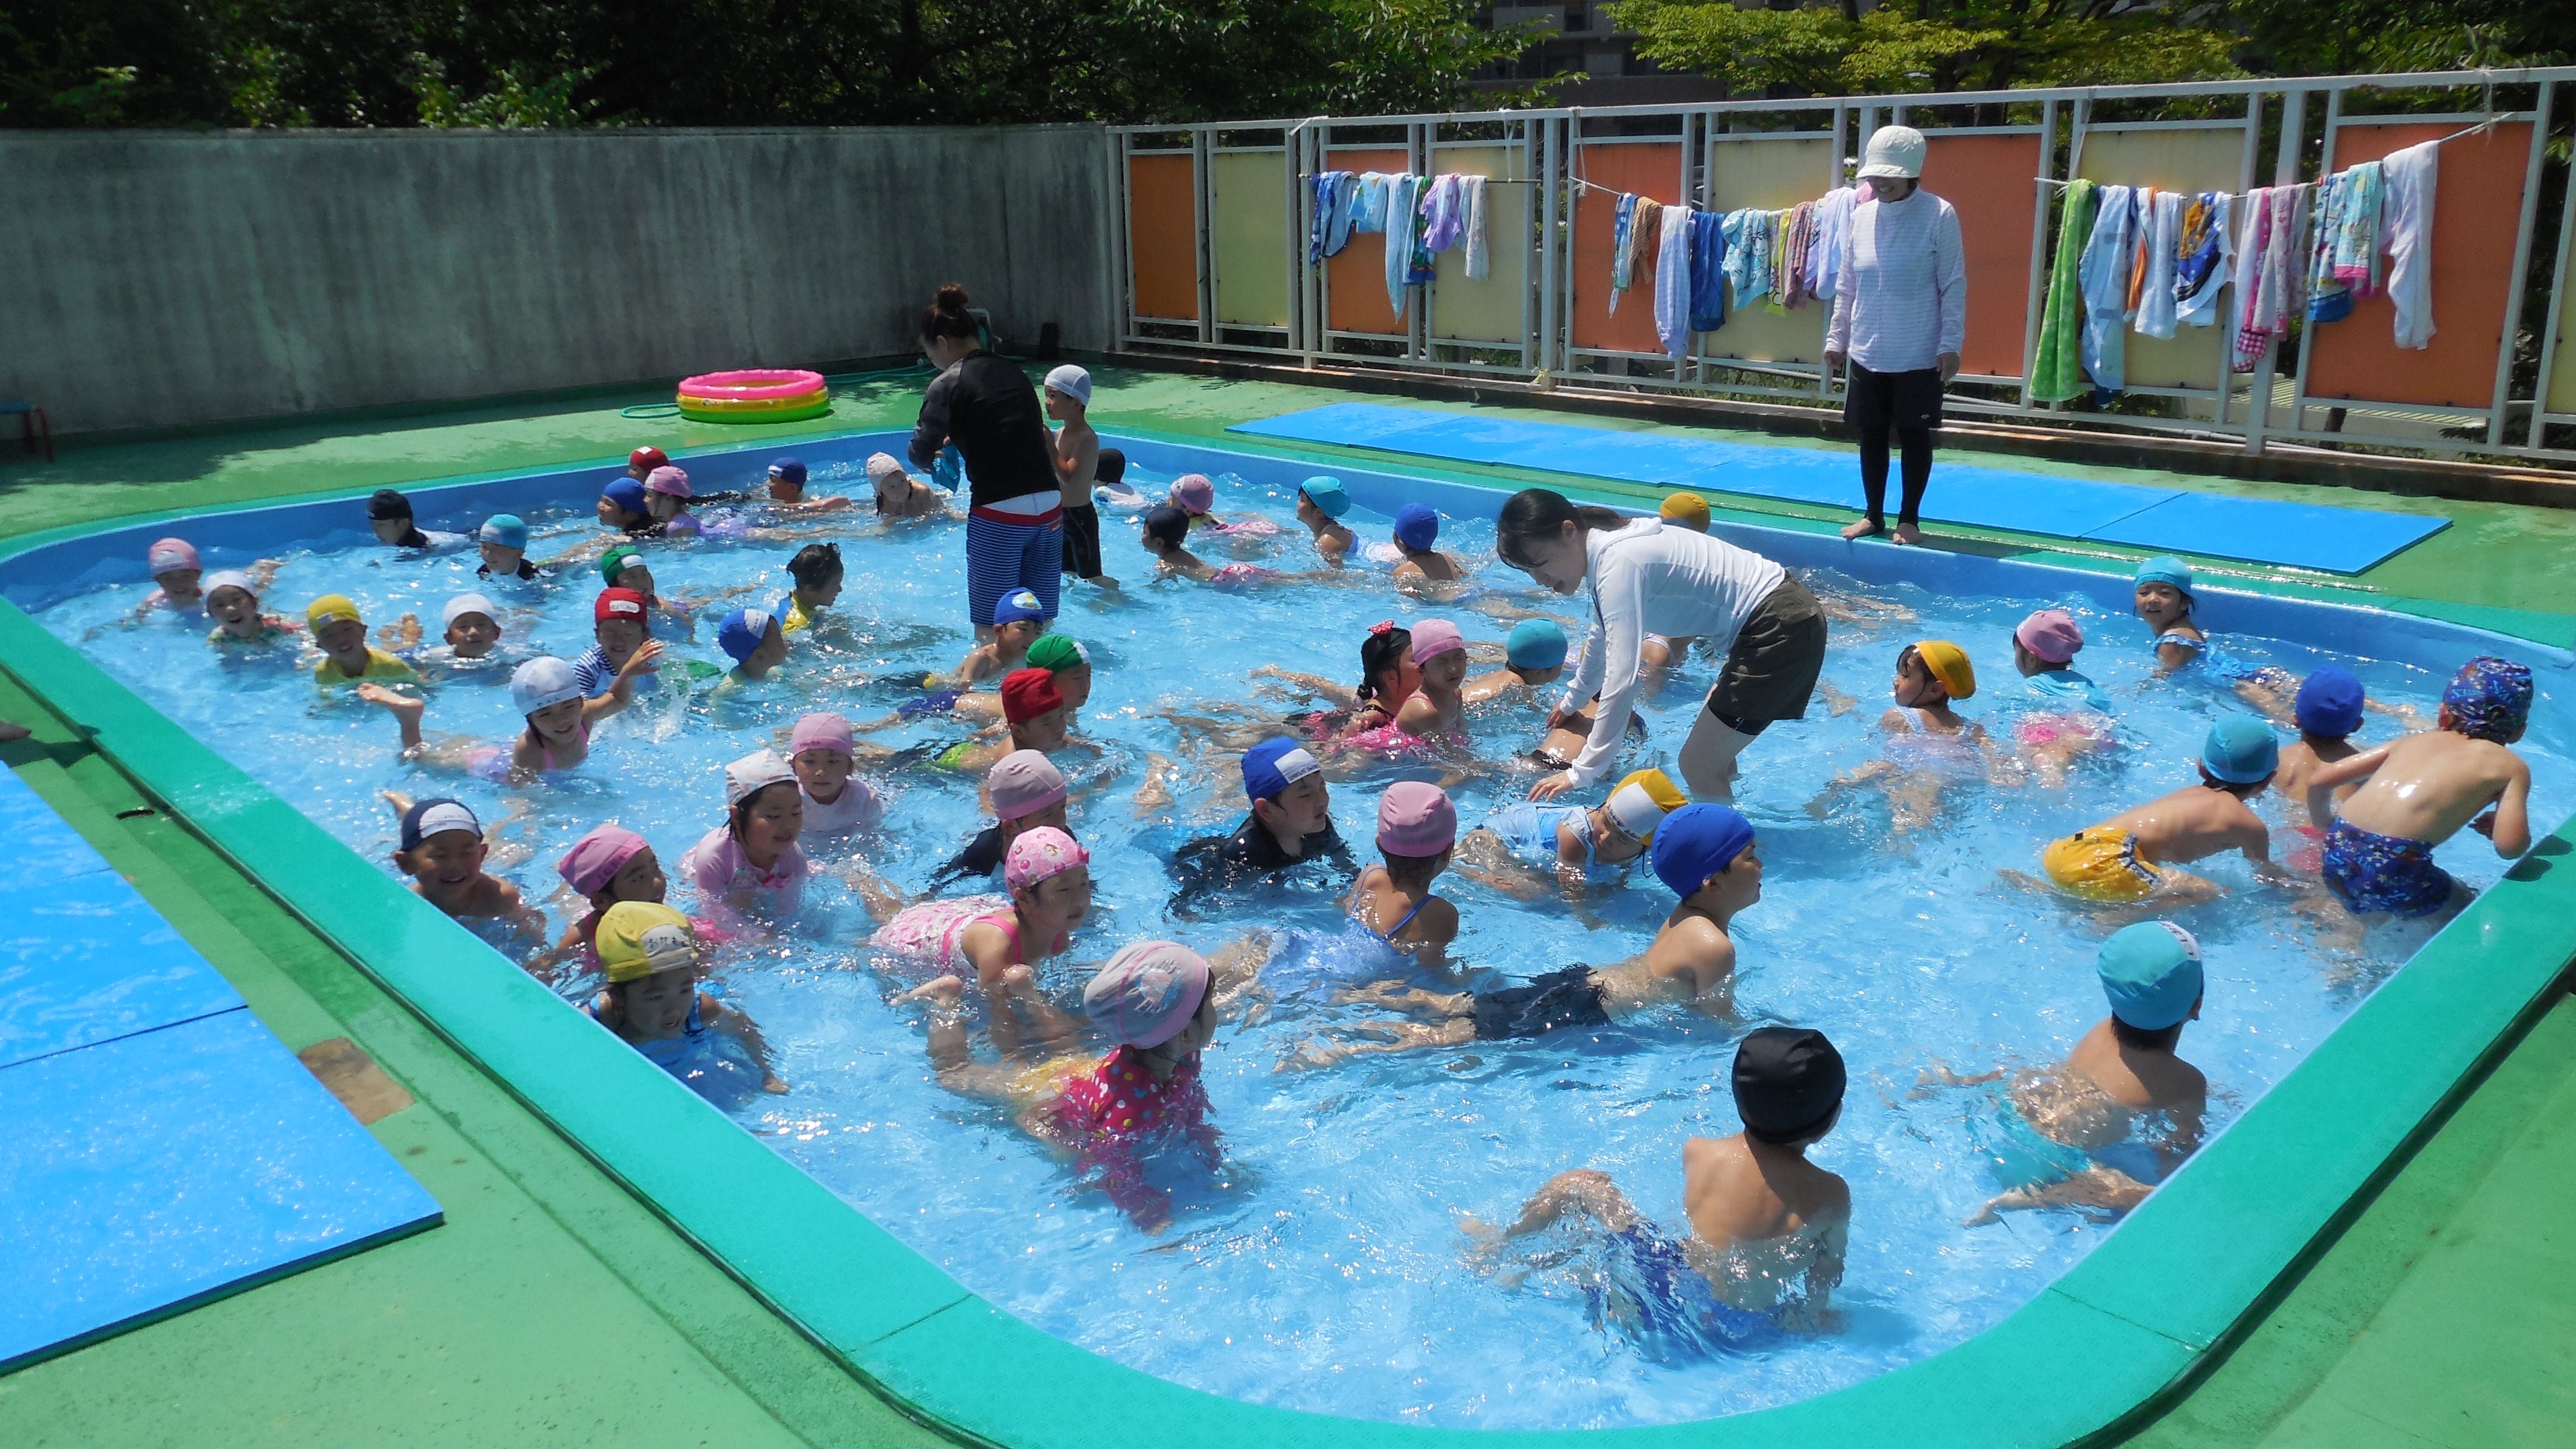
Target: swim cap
541 682
229 579
2329 703
1193 493
505 529
1147 993
596 858
1073 382
2240 750
1696 842
742 632
1326 492
647 458
637 939
2051 636
464 604
330 608
754 773
881 465
170 553
2166 569
1166 522
1017 605
821 732
1414 818
2151 972
2489 698
386 503
437 817
667 479
618 604
787 470
1949 664
1055 653
1041 854
1687 509
1788 1081
614 563
1273 765
1417 526
1433 638
626 493
1641 802
1023 783
1028 693
1535 644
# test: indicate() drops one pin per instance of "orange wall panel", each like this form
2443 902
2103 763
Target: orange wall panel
1355 279
1647 169
2477 201
1163 235
1988 179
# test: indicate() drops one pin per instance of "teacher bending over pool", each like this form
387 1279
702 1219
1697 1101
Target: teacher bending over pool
1647 577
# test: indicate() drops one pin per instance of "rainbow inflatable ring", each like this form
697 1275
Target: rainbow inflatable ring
755 395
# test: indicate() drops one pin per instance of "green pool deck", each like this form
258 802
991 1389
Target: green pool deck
554 1307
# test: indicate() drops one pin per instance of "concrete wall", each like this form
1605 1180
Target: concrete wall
154 279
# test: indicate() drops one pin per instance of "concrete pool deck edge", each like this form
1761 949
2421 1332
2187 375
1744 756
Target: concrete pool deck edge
904 1327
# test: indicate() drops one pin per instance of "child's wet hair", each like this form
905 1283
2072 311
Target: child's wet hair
2244 790
2162 1039
1412 872
815 565
1384 648
1167 525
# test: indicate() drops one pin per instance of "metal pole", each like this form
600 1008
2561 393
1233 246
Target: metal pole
2032 299
2234 289
2285 172
2521 262
2308 334
2557 294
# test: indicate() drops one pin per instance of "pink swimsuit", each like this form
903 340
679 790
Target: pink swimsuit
1116 1112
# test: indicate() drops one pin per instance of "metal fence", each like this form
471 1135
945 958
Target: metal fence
1213 220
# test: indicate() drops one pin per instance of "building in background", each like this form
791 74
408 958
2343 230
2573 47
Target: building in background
1597 63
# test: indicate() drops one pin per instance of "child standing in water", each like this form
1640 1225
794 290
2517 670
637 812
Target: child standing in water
341 634
816 568
2130 857
1769 1230
1154 999
2044 650
2163 596
442 849
1533 656
1077 463
823 754
2421 789
1417 528
1417 831
2327 711
1685 510
1928 742
232 601
1440 665
653 1003
175 571
751 865
621 628
1321 502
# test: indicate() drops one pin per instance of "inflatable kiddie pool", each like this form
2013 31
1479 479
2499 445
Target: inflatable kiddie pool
754 395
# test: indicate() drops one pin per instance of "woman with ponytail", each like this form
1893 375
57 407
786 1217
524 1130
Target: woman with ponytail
1649 578
983 405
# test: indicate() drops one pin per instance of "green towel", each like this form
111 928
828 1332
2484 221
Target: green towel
2057 373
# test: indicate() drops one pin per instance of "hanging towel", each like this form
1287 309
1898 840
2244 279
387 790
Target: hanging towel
1325 187
1478 262
2253 334
1420 268
2355 250
1345 200
1824 258
1796 271
1673 282
1403 220
2406 234
2142 206
1620 231
1368 201
2201 265
2275 229
2329 300
1707 271
1443 213
2105 271
2053 375
2156 292
1645 238
1776 264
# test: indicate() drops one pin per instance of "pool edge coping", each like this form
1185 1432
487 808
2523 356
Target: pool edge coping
884 1308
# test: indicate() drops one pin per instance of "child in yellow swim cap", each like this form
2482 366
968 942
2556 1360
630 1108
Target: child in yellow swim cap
653 1003
341 634
1928 741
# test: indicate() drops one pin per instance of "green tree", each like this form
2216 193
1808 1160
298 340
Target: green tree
1935 45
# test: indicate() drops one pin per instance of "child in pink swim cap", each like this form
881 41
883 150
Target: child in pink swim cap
175 569
609 865
1158 1001
1440 654
823 753
666 499
997 942
1417 833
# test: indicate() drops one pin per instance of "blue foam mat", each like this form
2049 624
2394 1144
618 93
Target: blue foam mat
43 846
2338 540
150 1173
86 960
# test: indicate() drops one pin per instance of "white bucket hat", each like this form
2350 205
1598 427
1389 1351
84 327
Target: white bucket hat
1893 151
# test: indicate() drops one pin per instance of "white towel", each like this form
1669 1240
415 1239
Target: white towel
2406 234
2156 294
1672 282
1478 264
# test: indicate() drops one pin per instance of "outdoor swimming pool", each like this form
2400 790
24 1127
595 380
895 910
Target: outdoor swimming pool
1321 1268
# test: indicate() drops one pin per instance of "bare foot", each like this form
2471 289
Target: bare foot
1861 529
1907 533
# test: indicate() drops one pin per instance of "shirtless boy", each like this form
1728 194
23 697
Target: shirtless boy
2421 789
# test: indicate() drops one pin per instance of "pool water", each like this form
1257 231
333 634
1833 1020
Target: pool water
1322 1266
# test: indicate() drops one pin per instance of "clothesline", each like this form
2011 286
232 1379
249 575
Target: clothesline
2489 124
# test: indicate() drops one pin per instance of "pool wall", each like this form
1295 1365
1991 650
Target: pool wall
2103 1345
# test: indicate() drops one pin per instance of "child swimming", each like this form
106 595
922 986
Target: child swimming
1291 822
1573 845
901 497
786 480
1321 502
389 514
1703 853
817 570
341 634
1417 832
175 571
752 639
1164 531
1018 619
624 506
548 696
232 601
666 500
606 866
751 864
2163 597
623 567
2419 792
652 1001
1684 510
823 756
2130 857
2099 1129
1534 656
1418 564
1769 1230
1928 742
1154 999
641 463
1194 494
1440 666
2044 650
621 631
442 849
503 541
981 938
470 625
1076 452
1026 791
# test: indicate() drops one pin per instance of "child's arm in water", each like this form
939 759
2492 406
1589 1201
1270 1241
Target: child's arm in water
1314 684
647 657
714 1013
2508 825
401 634
2097 1192
405 710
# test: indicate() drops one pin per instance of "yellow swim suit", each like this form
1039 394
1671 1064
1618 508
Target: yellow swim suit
2100 865
380 665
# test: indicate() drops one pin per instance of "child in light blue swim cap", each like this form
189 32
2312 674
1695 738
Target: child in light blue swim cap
2162 597
1321 502
1533 656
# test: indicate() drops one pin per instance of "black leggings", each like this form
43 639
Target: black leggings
1917 444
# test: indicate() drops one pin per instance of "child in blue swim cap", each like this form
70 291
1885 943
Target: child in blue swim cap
2162 597
441 847
752 639
1417 528
2327 710
503 539
1533 656
1321 502
1019 618
2132 855
1774 1225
